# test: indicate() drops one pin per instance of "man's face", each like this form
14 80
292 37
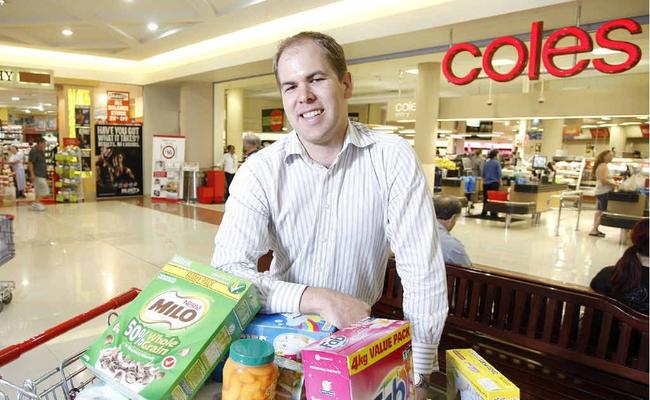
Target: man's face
313 96
41 146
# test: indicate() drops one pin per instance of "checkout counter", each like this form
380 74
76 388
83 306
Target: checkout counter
538 193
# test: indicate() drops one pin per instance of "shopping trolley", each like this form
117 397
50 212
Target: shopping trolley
7 252
71 376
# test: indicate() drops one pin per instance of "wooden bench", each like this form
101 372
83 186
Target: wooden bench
553 341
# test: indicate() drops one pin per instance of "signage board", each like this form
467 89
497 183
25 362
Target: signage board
26 78
117 107
401 110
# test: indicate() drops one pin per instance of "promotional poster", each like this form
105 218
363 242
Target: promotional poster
167 158
118 166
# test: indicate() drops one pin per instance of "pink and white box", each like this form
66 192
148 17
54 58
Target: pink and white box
371 360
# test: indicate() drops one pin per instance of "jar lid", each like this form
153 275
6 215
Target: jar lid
252 352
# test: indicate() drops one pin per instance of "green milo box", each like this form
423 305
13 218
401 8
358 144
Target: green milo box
169 338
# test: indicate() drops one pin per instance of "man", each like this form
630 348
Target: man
252 145
491 178
229 166
448 209
38 173
477 162
328 199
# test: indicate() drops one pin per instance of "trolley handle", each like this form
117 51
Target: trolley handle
13 352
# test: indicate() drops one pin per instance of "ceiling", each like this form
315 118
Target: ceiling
219 40
111 42
118 28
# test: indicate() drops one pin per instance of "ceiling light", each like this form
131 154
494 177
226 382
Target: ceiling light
601 51
2 2
405 120
67 32
502 61
47 104
642 117
588 126
607 125
28 111
15 98
606 118
413 71
152 26
630 123
600 122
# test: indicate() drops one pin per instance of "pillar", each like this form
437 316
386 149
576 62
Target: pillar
617 140
235 118
427 99
196 122
551 136
375 114
219 129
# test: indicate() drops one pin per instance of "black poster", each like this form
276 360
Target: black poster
82 129
118 165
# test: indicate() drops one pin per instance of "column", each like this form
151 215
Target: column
551 136
375 114
617 140
235 118
427 98
219 128
196 122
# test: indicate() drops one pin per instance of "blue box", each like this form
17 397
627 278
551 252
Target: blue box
288 333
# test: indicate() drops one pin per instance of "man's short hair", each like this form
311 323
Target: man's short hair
446 206
40 140
252 139
332 51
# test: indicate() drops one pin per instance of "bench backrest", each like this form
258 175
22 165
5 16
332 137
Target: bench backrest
569 323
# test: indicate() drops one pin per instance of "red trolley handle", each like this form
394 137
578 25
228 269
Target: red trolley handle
13 352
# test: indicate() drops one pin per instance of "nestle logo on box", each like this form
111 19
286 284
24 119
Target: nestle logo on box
548 52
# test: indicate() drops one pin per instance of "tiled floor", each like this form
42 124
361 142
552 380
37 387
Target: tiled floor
71 258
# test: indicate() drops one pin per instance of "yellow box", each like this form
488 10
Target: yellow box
470 377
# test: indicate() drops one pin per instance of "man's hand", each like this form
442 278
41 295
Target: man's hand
336 308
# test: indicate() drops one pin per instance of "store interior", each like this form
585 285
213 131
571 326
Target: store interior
91 244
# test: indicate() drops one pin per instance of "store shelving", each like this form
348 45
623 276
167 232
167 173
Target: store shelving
11 134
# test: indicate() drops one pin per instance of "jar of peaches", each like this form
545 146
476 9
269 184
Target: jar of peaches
249 372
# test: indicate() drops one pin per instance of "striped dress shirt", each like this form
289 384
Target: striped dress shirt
332 227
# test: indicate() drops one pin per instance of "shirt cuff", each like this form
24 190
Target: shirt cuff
285 297
425 358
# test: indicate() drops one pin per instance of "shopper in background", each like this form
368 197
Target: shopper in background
627 281
477 162
328 198
229 166
38 173
252 145
491 177
448 209
604 185
16 162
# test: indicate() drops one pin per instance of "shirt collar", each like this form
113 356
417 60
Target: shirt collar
357 135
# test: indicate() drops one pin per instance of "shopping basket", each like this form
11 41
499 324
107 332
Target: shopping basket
7 252
71 376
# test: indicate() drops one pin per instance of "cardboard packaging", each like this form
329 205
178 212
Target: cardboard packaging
470 377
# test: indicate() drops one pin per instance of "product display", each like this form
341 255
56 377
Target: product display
289 333
368 360
250 373
11 134
168 340
68 170
470 377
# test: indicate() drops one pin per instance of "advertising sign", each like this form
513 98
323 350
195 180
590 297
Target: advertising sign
82 133
168 157
272 120
401 110
26 78
547 51
118 165
117 107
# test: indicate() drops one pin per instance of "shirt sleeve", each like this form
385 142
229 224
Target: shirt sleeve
600 282
243 237
413 236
